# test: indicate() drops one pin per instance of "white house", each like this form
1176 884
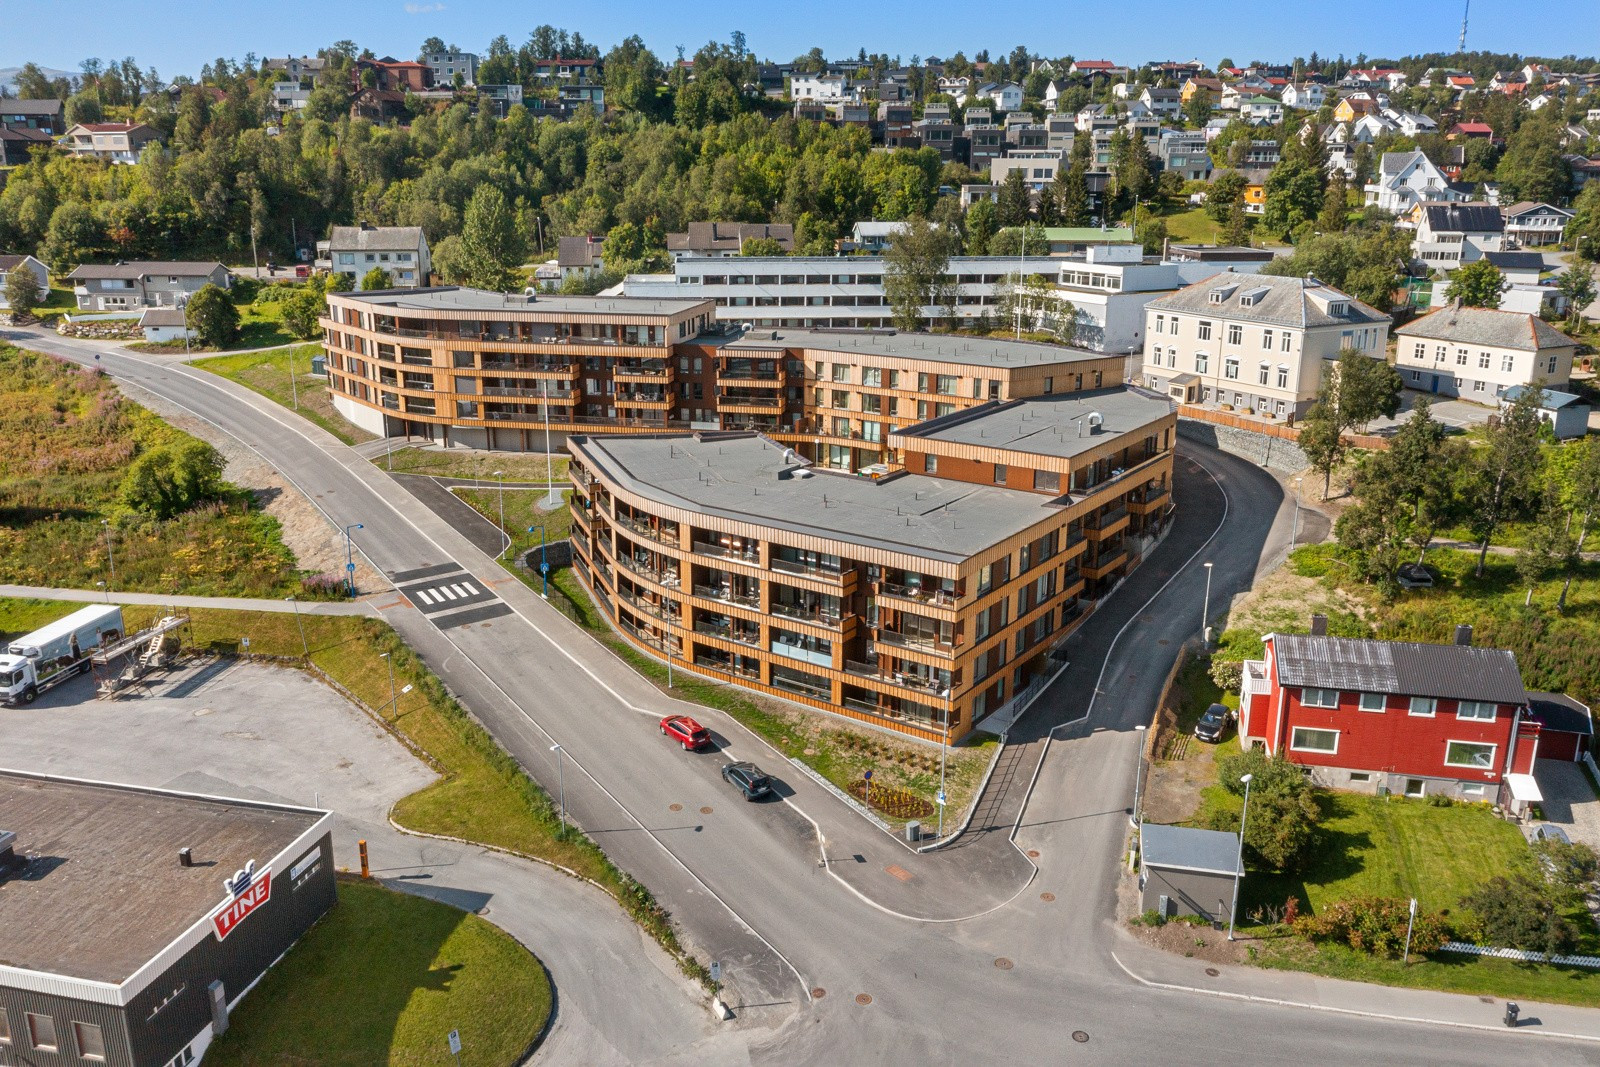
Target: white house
160 325
1051 95
402 251
1164 103
1411 123
1406 179
41 274
824 88
447 66
1007 97
1479 353
1307 97
1530 223
1450 236
1262 110
288 96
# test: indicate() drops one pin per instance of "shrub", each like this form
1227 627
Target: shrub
170 479
301 309
212 317
22 291
1152 917
1228 674
1283 816
1376 925
1569 865
1520 912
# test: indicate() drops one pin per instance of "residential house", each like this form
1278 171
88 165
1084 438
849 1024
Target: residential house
1165 103
1185 154
1006 97
1212 87
937 134
1060 132
160 325
1529 223
1254 343
1354 106
560 70
379 105
896 124
400 250
1406 179
582 94
297 68
1411 123
1540 101
394 75
1479 353
1388 716
1051 95
1567 415
289 96
1512 83
825 87
956 88
446 67
1262 110
724 239
499 99
1533 71
114 287
1233 95
117 142
1451 235
1093 68
1097 117
1038 167
46 115
1307 97
810 110
40 272
580 256
985 144
845 113
17 145
1462 83
1470 130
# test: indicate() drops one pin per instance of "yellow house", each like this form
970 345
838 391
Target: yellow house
1352 108
1212 87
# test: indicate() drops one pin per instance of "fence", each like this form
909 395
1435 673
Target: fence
1165 720
1519 955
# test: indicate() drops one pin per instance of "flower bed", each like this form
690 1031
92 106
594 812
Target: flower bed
895 802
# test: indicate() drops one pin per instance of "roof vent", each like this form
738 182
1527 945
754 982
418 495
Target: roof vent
1464 634
1319 625
1095 421
185 857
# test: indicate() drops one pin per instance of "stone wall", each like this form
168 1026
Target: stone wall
103 330
1261 449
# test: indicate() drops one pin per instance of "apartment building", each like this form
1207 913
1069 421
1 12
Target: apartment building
445 67
918 601
1253 342
113 287
1479 353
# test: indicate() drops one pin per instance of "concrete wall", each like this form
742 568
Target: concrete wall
1189 893
1259 448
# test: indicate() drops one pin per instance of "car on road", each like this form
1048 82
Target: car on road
1213 724
688 733
1414 576
747 779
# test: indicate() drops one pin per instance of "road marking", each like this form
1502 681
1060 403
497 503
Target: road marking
422 595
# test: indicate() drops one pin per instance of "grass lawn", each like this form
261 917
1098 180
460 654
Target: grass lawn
260 326
267 373
58 301
70 439
522 510
1192 226
381 980
20 616
837 753
460 463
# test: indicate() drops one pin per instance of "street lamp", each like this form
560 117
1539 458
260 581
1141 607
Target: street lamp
1138 776
552 496
501 475
349 560
394 697
294 388
561 781
1205 605
1294 535
104 591
181 303
1238 863
944 746
305 646
544 566
111 559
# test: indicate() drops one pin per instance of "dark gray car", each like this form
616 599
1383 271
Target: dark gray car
1213 724
748 779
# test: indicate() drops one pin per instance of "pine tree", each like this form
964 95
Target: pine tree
1335 205
1013 204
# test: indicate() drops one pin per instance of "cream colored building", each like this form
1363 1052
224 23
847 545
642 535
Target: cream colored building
1479 353
1254 343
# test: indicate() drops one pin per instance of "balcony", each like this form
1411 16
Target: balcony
918 641
750 556
750 380
1149 501
641 372
750 402
711 663
663 537
1107 524
1106 565
552 395
661 577
646 606
727 596
808 570
729 633
916 594
649 401
524 366
817 616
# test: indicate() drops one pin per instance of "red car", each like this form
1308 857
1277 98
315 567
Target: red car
684 730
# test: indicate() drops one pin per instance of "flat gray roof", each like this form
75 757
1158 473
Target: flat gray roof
1186 849
105 892
454 298
1057 425
748 478
940 348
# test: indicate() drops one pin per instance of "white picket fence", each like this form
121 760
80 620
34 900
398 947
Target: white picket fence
1519 955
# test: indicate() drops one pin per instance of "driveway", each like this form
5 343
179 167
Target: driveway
1459 414
1569 800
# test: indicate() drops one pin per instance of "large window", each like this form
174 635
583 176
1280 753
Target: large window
1235 334
1202 362
1230 368
1204 331
1319 698
1475 710
91 1042
1469 754
1306 739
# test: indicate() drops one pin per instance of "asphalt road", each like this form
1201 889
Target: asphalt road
807 933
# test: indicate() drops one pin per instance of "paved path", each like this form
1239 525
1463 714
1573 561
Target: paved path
161 600
1569 799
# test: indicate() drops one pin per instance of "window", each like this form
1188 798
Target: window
1483 361
1438 353
1047 481
1550 368
1505 362
1283 376
1360 776
1235 334
1423 706
1266 340
1161 324
1319 698
1372 701
1263 373
1230 368
1461 357
1421 351
42 1032
1283 342
91 1042
1201 362
930 464
1204 330
1468 754
1306 739
5 1028
1475 710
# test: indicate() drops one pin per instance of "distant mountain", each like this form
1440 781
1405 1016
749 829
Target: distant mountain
8 76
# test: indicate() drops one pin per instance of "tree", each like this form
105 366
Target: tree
300 311
1321 441
1335 205
1197 109
213 318
430 46
22 291
761 246
1505 475
1479 284
1364 388
1283 815
170 479
1152 235
1583 230
915 268
492 245
1020 241
1521 911
1548 549
1576 283
1294 190
1014 201
376 278
981 226
1533 167
1237 230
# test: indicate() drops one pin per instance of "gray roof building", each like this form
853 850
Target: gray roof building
1300 302
937 348
578 253
375 238
1060 426
144 269
707 238
1184 848
1487 326
451 298
1406 668
1463 218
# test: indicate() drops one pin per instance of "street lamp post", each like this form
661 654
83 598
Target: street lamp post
544 565
1294 536
552 496
1205 605
944 747
305 646
294 387
110 558
1238 863
394 697
501 475
1138 777
561 782
349 560
181 302
104 591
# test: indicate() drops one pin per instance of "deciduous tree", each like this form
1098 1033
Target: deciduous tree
213 318
1505 478
915 267
492 245
1479 284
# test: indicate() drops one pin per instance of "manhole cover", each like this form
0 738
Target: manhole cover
1080 1036
863 998
1033 853
1212 972
899 872
202 711
1162 641
1047 897
674 807
1003 964
818 993
705 811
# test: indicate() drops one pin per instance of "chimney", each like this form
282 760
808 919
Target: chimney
1319 626
185 857
1464 635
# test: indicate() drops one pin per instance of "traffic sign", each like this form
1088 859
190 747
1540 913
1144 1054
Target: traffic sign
349 566
544 568
867 775
716 971
941 798
455 1042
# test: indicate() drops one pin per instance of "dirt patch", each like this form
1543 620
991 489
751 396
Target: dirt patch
1173 792
1285 600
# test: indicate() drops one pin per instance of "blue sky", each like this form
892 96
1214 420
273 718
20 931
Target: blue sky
178 37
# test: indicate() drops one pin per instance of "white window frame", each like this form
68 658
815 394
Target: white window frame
1423 707
1295 746
1381 698
1488 766
1307 690
1476 706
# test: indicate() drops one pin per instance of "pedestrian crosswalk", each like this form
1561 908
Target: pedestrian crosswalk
444 593
439 591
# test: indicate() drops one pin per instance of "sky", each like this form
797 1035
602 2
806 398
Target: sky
177 37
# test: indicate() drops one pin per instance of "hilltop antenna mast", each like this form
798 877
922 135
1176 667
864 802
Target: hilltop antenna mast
1462 47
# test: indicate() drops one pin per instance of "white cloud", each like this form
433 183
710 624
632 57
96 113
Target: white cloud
423 9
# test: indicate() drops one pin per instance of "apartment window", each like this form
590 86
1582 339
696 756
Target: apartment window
1235 334
1475 710
1204 330
1305 739
1420 351
1172 328
1230 368
1283 342
1550 367
1283 376
930 464
1469 754
1423 707
841 372
1047 481
1263 373
871 376
1506 362
42 1032
5 1028
91 1042
1202 362
1266 340
1461 357
1483 360
999 474
1319 698
1161 324
1372 701
947 384
1438 353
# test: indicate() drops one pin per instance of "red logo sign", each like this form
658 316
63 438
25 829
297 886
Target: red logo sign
234 912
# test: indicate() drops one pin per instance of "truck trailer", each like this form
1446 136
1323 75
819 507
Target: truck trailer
52 654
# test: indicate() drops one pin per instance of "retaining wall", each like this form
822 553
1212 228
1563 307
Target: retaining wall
1262 449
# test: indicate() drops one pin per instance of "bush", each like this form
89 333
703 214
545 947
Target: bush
1152 917
22 291
1570 865
1376 925
1520 912
170 479
1282 821
213 318
245 288
277 293
301 309
1228 674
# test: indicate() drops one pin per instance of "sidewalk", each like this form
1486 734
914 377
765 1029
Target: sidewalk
1163 970
96 596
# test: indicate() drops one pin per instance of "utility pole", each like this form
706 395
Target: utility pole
501 475
305 646
561 780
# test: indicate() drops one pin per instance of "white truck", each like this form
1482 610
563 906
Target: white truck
52 654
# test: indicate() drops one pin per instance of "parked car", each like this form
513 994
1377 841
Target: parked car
1414 576
1213 724
747 779
1548 832
684 730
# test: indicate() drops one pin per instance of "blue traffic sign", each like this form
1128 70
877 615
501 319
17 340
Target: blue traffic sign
544 568
867 775
349 566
